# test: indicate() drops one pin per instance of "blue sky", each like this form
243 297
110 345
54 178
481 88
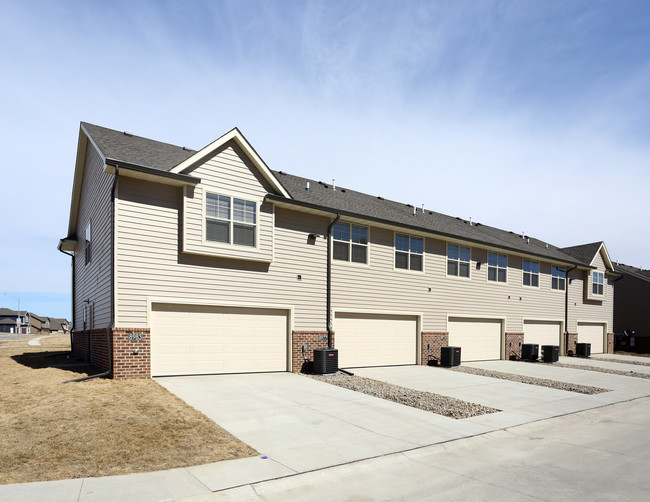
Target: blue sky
528 116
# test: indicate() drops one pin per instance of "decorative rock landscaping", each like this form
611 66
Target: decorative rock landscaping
435 403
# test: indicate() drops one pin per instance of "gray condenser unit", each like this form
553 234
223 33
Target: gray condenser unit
550 353
326 361
529 352
583 349
449 356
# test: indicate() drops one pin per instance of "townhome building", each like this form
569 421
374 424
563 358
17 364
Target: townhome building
208 261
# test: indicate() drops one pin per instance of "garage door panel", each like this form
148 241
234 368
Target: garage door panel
593 333
542 332
201 340
479 339
375 339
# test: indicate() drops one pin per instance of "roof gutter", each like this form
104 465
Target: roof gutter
136 171
308 205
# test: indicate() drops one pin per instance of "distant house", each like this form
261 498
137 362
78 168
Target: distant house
632 308
13 322
31 323
208 261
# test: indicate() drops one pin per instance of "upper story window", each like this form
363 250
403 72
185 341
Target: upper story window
350 243
458 258
408 252
87 244
531 273
230 220
497 267
558 277
598 282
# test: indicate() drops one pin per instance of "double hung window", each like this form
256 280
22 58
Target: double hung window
558 278
458 258
230 220
497 267
350 243
598 280
408 252
531 273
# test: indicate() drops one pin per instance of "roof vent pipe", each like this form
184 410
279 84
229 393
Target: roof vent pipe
527 240
423 208
334 184
523 234
415 210
470 221
307 186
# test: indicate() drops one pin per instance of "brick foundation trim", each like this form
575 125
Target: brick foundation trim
570 344
132 353
93 347
610 343
432 342
303 362
513 345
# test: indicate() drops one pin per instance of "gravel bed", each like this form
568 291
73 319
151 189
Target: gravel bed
428 401
542 382
634 374
611 360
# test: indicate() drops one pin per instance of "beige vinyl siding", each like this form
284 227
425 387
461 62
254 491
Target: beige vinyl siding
378 286
227 173
93 281
151 265
581 309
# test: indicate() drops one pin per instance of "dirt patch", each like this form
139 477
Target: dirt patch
542 382
428 401
50 430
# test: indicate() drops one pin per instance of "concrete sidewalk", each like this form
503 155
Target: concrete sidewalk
302 425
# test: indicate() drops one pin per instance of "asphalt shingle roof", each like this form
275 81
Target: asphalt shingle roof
639 273
357 203
584 253
131 149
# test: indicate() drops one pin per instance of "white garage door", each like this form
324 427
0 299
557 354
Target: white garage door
542 333
593 334
375 340
191 339
479 339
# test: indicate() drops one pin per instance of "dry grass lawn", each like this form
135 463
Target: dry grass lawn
50 430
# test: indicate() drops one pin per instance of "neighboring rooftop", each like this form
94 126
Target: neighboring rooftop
639 273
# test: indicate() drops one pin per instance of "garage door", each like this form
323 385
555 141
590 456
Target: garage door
542 333
190 339
593 334
375 340
479 339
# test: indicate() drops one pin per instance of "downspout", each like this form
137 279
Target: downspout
71 255
566 310
110 326
329 280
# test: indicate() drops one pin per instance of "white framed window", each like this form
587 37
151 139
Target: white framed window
497 267
458 259
230 220
558 278
409 252
88 248
350 243
531 273
598 281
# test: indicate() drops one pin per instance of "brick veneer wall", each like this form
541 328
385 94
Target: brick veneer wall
571 340
126 363
513 345
610 343
91 346
437 339
304 363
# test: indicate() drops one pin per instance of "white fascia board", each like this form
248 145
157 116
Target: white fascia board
243 143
